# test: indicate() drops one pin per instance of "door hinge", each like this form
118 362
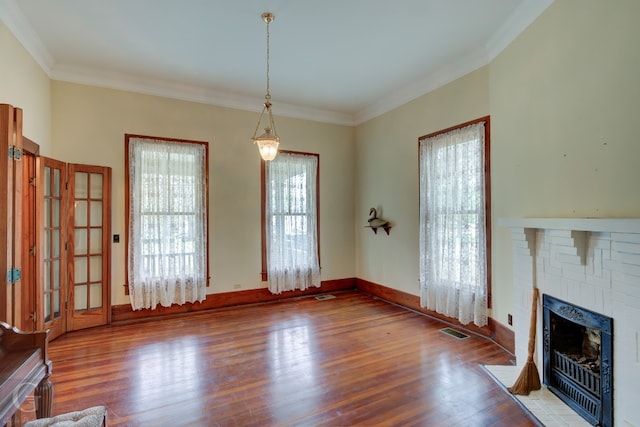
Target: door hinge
13 275
34 317
15 153
32 181
32 250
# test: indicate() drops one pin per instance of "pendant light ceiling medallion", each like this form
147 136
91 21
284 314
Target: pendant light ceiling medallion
267 142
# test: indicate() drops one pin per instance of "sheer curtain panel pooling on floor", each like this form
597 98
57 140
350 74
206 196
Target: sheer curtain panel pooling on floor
291 222
167 223
453 263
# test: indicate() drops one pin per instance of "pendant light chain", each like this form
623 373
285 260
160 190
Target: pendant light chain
267 142
268 95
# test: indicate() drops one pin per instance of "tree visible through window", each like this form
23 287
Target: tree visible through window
454 217
167 221
290 218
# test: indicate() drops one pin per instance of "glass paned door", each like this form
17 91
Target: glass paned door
53 179
89 248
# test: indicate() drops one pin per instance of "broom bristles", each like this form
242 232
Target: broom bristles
529 378
527 381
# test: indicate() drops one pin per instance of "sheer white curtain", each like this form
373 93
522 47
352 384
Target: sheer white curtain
167 223
453 267
291 222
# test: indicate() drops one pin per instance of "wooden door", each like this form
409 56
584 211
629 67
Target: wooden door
52 295
89 248
10 213
30 265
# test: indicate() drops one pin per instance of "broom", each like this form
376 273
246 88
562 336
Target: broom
529 378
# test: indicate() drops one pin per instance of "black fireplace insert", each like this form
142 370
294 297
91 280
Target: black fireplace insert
578 359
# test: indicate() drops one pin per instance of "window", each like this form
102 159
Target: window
454 219
167 187
290 222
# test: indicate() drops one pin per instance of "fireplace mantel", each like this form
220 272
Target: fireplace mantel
592 263
613 225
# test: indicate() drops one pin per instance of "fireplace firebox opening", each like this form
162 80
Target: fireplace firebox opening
578 359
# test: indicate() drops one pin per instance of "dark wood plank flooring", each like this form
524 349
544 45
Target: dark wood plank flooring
349 361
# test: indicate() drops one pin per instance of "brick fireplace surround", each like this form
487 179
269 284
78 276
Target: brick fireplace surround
593 263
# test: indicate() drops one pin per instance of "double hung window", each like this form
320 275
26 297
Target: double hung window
454 217
290 232
167 221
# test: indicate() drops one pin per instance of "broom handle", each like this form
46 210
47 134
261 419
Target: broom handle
532 326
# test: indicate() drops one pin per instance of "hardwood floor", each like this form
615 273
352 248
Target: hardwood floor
351 360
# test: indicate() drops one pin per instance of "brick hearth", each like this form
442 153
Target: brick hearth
595 264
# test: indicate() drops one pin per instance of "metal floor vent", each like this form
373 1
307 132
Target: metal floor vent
324 297
454 333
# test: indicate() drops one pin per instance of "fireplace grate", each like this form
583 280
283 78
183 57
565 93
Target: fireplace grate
586 378
583 399
571 336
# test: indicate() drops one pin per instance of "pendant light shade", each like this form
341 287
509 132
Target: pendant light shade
267 142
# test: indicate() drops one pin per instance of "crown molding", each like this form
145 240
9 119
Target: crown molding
13 18
516 24
523 16
192 93
429 83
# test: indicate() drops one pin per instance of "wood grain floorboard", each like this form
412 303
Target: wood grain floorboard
349 361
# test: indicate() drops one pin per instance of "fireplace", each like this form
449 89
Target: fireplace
592 263
578 359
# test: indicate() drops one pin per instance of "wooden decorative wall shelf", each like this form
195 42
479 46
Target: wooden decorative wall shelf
375 229
375 222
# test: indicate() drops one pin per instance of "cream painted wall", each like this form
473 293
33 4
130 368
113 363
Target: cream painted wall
23 84
89 127
565 99
387 176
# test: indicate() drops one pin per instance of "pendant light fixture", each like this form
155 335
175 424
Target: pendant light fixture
267 142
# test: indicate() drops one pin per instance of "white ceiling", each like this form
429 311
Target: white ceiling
339 61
